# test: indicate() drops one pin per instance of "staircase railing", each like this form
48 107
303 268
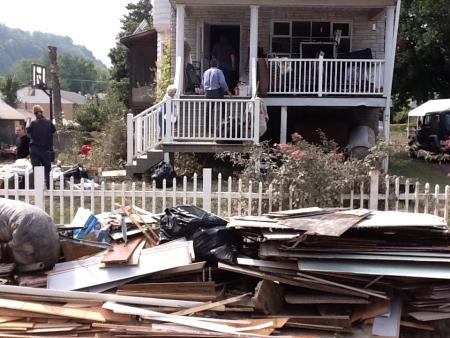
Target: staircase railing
145 130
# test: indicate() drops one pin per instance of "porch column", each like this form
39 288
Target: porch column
392 22
254 13
179 48
283 125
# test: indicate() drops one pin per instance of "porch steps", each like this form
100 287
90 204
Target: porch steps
145 162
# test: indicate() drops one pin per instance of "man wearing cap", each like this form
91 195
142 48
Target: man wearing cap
41 133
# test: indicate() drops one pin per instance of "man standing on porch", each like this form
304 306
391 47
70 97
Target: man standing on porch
214 82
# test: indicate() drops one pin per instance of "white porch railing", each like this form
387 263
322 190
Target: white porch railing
144 131
192 120
214 120
326 76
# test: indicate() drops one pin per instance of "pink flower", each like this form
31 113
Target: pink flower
296 137
283 146
298 154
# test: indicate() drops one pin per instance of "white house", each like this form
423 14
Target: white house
324 64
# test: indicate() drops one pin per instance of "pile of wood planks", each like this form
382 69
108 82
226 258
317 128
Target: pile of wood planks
300 273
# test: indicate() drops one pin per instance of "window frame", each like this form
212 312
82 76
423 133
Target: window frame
310 38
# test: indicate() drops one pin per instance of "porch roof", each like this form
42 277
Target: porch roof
290 3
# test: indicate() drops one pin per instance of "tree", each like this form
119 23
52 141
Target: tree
77 73
422 69
119 72
8 88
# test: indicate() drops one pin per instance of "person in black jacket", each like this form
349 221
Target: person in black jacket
41 133
22 142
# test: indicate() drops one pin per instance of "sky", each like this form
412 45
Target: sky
92 23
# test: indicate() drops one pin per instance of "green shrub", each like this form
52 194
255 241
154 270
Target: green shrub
317 174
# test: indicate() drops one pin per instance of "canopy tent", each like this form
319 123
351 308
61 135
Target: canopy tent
430 106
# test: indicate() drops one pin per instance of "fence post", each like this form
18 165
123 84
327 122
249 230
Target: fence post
207 178
130 139
168 120
320 80
39 187
374 186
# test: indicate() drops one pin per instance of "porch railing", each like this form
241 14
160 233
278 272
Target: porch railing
326 76
145 130
192 120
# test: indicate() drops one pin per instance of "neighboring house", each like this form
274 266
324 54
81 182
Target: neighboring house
27 97
326 64
142 45
9 119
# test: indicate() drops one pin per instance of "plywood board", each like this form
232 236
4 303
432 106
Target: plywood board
269 297
333 224
120 253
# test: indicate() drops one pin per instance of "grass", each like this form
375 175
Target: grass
401 165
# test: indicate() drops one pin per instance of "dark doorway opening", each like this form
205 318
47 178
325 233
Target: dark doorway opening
233 36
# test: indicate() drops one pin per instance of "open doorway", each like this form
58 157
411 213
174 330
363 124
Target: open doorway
232 33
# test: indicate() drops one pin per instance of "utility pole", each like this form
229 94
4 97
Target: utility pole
54 70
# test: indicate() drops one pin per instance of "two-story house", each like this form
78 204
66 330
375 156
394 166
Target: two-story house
324 64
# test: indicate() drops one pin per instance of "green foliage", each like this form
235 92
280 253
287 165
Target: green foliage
8 88
95 114
165 69
73 68
422 66
17 44
401 116
136 14
316 174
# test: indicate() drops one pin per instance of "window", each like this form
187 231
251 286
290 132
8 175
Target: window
288 35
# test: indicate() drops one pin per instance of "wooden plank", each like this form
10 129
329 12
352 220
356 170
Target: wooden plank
188 321
317 298
71 295
52 310
209 306
425 316
73 250
334 224
268 297
197 291
122 252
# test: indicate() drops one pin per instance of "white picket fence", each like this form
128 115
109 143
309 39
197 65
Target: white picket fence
225 197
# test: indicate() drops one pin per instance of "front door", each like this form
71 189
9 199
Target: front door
212 36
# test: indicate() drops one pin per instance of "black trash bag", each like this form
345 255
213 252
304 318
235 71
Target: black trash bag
184 221
212 240
216 244
163 171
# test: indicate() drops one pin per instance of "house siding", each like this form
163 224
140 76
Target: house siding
362 34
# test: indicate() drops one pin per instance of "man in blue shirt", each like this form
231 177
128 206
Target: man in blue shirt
214 82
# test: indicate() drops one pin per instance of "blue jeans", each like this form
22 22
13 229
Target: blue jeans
42 157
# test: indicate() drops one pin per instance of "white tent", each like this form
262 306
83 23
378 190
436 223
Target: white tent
431 106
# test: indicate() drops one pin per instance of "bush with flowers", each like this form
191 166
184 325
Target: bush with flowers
314 174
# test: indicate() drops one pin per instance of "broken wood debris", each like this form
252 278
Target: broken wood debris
304 273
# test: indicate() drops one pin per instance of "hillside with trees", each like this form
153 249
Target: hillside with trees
18 44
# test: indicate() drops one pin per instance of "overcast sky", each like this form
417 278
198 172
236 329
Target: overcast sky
92 23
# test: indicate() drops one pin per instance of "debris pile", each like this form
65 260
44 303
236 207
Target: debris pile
298 273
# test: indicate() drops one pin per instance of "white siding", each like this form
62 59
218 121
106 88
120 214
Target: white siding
161 15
